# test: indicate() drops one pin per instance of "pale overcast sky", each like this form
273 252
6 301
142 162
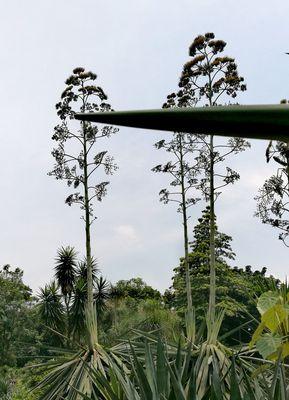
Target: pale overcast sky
137 48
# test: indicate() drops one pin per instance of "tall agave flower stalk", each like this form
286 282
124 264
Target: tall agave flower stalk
77 163
78 167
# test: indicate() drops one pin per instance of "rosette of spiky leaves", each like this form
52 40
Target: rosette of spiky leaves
101 294
77 310
210 360
81 270
68 370
50 307
152 377
65 271
158 375
68 373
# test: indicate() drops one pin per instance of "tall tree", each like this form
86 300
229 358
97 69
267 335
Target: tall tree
76 161
273 197
236 287
199 261
134 288
211 79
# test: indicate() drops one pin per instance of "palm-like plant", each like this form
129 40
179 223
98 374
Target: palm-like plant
68 370
50 307
81 270
77 310
101 294
65 272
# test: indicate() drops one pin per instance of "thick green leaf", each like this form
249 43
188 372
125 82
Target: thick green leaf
235 391
254 121
145 389
274 316
257 334
267 300
161 370
268 344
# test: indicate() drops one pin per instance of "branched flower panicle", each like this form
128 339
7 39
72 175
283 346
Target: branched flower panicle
205 61
81 95
206 78
273 196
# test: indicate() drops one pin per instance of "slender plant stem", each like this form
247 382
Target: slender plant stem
189 315
90 306
212 296
185 230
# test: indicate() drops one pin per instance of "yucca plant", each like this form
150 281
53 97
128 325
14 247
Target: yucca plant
211 361
50 307
68 370
77 165
81 270
155 379
159 378
65 272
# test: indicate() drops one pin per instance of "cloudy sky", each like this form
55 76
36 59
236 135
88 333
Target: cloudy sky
137 48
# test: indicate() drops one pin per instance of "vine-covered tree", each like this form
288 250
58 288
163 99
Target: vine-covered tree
211 78
273 197
76 159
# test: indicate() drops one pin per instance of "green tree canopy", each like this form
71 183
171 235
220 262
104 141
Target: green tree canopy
237 288
134 288
18 319
135 305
